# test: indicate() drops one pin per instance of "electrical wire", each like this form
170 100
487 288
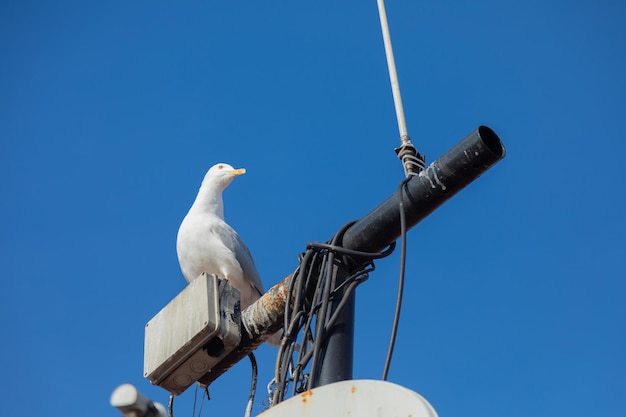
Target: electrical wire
398 308
195 400
208 397
170 406
253 385
316 298
412 162
205 393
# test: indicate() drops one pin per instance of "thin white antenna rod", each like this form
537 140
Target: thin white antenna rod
393 75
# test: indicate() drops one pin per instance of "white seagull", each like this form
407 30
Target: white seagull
206 243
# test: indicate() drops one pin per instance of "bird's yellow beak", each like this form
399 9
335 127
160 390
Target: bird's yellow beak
240 171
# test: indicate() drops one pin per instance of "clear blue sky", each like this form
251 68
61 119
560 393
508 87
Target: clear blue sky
111 113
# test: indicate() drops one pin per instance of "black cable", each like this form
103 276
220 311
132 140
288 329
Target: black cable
253 385
313 305
208 397
170 406
195 400
295 320
320 320
396 315
352 252
342 303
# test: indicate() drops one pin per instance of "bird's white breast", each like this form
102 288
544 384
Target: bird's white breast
206 243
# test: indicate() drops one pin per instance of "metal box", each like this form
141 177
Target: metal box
192 333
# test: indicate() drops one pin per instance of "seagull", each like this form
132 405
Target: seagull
206 243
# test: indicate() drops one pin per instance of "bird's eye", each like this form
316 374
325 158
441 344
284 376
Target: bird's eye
220 166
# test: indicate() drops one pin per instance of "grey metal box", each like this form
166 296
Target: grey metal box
192 333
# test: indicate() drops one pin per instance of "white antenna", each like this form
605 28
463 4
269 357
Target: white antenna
393 74
412 161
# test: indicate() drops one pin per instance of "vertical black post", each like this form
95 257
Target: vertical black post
337 350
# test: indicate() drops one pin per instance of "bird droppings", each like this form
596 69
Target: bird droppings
433 184
441 184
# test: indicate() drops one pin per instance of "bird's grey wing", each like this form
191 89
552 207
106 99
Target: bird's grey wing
243 255
247 265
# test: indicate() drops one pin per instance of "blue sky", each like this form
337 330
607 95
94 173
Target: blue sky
111 113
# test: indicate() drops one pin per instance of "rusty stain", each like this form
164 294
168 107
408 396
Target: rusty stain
273 301
305 396
353 389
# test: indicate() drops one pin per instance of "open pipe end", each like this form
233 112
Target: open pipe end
491 141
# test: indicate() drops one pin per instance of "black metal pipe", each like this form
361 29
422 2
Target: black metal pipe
424 193
449 174
338 348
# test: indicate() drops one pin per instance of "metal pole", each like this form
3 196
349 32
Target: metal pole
337 349
425 192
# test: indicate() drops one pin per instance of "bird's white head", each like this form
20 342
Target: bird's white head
220 175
